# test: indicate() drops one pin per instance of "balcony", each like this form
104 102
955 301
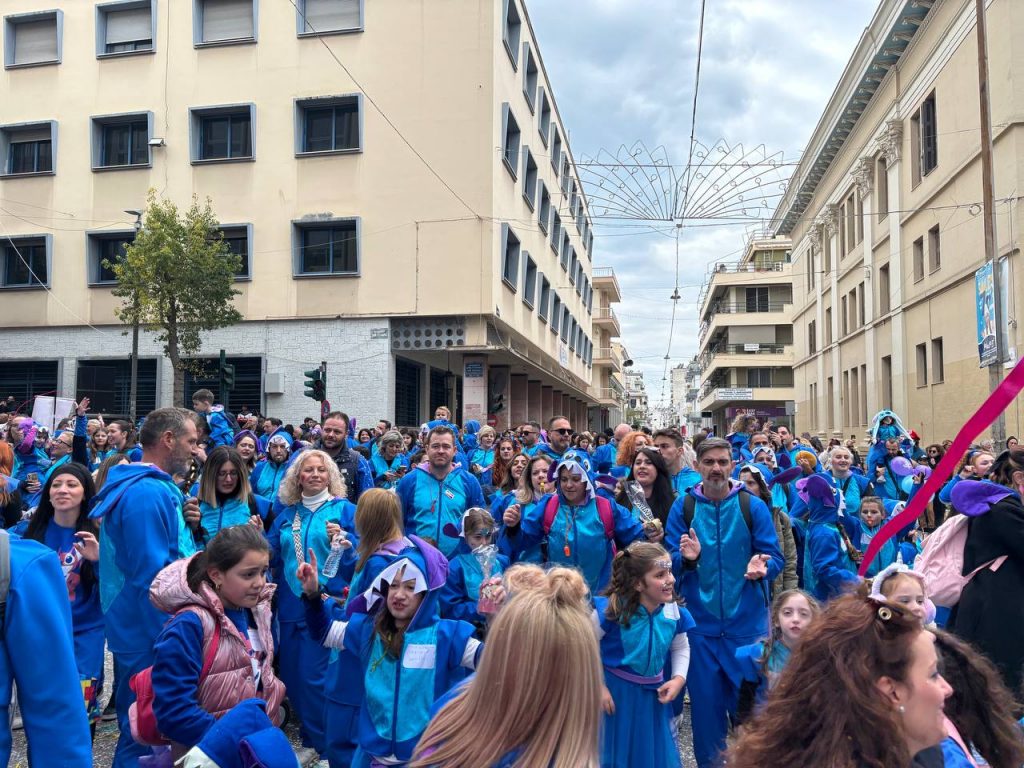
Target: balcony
722 277
604 280
608 357
719 356
605 317
723 315
719 397
609 397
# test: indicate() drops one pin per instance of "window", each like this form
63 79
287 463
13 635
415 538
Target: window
530 73
120 141
105 249
556 312
556 230
938 362
565 249
919 259
864 395
556 149
544 123
545 299
759 377
564 326
28 148
828 326
108 383
529 280
826 253
328 248
572 334
847 414
757 299
222 133
325 17
216 22
934 254
844 326
812 337
509 257
510 142
572 262
124 27
881 187
887 381
925 138
579 275
590 299
566 178
922 365
861 304
31 39
883 290
26 261
237 239
329 125
513 29
830 403
544 214
529 178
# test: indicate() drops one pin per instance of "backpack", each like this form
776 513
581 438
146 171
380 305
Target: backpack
690 508
604 511
941 562
140 714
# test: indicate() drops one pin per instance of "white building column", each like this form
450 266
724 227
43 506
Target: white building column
891 144
864 177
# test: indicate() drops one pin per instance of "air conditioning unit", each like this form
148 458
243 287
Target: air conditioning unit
273 384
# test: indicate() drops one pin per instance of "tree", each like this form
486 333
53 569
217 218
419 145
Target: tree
178 276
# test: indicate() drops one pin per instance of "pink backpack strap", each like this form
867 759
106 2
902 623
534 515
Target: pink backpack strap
604 511
550 510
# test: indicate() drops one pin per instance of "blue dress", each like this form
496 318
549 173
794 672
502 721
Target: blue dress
640 732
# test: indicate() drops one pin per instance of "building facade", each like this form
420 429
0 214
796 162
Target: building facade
885 215
746 337
403 196
608 388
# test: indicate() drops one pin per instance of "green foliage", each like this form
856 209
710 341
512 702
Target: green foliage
178 276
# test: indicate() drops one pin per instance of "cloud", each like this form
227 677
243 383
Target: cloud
623 71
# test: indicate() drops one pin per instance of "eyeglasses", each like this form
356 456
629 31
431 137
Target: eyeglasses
227 474
563 431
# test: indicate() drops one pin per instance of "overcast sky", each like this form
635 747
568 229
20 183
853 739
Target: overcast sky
623 71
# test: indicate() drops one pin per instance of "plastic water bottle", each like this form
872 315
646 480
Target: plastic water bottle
333 561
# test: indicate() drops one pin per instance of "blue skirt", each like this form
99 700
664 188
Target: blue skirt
640 732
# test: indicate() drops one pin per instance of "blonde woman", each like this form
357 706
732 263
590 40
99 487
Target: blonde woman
313 496
537 690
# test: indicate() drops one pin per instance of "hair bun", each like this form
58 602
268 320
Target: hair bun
566 586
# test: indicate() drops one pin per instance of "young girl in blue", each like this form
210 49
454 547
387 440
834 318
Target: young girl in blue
61 522
461 592
314 497
830 565
763 662
639 624
408 655
533 489
225 498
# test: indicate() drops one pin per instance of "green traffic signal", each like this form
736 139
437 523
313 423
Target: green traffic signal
316 384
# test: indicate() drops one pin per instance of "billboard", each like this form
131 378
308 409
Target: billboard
985 301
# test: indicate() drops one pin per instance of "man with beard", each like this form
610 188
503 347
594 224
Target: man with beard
355 470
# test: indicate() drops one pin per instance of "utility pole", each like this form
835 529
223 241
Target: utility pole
133 388
995 375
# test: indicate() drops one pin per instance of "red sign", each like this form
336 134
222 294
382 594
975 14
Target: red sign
325 408
492 420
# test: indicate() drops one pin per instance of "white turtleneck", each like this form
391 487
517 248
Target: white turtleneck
313 503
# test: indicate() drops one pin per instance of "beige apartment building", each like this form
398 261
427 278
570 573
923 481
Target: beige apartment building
396 177
885 215
746 337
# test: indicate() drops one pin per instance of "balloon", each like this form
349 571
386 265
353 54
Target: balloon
901 466
907 484
924 471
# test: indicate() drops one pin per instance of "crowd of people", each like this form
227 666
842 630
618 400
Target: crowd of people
541 596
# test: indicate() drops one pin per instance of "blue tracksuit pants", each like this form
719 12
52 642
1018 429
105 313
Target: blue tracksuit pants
714 686
128 751
303 670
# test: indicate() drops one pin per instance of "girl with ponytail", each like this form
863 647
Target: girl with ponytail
639 624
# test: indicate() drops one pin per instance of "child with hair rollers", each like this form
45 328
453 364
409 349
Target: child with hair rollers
476 560
409 657
639 623
763 661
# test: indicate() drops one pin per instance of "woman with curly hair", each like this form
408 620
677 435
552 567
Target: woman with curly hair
628 447
862 690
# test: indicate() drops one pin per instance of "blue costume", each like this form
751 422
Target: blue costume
483 458
143 531
38 620
578 536
633 652
763 672
267 475
684 480
399 691
739 441
829 570
302 661
428 504
222 432
379 465
604 457
84 598
230 512
506 539
461 591
25 463
730 610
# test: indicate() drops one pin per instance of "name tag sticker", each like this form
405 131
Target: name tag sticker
449 494
419 657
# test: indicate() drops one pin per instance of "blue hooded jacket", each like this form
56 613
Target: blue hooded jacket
143 531
400 692
721 599
828 568
38 621
461 591
221 430
428 504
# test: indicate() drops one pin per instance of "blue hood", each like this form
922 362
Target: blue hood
119 480
472 426
698 491
976 498
246 730
430 562
821 499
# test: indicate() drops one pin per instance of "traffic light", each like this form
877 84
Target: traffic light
316 383
227 376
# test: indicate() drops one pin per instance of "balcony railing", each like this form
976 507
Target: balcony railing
742 307
739 349
602 272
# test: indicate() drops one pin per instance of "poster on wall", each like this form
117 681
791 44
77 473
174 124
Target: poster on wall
474 389
984 290
497 396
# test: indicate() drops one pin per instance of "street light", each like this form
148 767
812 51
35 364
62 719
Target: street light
134 385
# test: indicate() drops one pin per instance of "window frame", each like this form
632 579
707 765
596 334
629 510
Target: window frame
300 226
92 249
530 67
529 173
11 21
934 250
224 229
510 266
544 297
196 117
555 317
918 259
7 240
300 22
938 361
543 206
306 103
529 279
556 149
511 46
102 12
555 234
97 124
197 28
508 120
543 115
921 362
12 129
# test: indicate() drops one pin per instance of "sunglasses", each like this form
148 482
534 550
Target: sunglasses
563 431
